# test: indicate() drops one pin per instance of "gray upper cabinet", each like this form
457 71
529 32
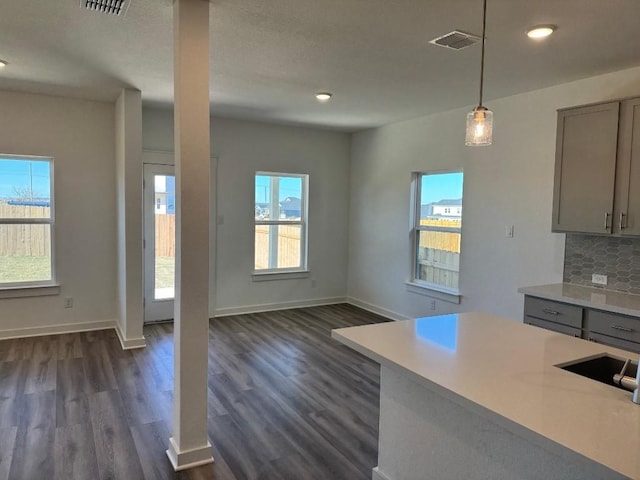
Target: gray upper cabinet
627 197
597 175
586 150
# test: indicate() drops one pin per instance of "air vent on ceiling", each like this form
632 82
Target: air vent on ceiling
112 7
456 40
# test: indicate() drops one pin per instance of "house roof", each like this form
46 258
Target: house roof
269 58
456 201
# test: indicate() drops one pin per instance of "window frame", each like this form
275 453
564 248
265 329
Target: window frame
415 284
15 286
284 272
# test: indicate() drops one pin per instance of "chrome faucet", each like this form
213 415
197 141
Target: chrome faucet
629 383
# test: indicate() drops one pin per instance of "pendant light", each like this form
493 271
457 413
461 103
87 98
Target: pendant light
480 119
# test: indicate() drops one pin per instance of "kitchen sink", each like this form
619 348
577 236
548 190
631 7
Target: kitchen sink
601 369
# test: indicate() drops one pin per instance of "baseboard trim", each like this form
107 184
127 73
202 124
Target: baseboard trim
376 309
189 458
268 307
376 474
131 343
57 329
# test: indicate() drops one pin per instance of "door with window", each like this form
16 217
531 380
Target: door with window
159 241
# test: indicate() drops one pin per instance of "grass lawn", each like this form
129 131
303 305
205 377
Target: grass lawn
165 272
24 269
32 269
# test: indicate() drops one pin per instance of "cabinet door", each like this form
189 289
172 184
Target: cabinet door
627 212
586 152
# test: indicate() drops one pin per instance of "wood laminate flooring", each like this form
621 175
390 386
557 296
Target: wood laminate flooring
286 402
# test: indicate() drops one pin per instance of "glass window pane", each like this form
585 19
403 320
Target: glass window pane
278 197
25 253
438 258
290 198
441 199
25 188
277 246
165 235
263 197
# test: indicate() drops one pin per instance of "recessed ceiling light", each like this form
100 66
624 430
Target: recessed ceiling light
541 31
323 96
3 63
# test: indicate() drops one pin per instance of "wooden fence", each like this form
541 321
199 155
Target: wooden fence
288 246
439 253
24 240
165 235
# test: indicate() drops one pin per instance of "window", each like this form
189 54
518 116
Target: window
436 226
26 221
280 222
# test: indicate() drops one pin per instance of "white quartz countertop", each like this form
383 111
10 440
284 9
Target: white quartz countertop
598 298
508 368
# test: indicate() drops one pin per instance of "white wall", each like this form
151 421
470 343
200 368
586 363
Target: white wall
242 148
509 183
79 135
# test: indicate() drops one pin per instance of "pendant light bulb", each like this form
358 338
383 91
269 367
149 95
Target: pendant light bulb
479 127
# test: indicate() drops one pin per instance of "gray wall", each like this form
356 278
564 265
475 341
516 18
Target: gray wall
79 135
242 148
508 183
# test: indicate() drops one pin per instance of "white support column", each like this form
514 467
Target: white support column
189 446
128 113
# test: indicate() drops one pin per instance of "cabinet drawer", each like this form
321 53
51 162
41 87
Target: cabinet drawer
556 327
612 325
615 342
551 311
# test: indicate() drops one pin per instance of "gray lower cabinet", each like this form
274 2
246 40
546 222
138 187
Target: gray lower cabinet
556 316
612 329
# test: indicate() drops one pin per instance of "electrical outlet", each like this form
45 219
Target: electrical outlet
68 302
508 231
314 283
432 304
599 279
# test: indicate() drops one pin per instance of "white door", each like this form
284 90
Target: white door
159 242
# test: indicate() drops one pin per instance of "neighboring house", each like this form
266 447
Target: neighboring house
165 195
290 207
442 208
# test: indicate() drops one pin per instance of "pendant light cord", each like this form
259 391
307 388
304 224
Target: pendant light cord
484 28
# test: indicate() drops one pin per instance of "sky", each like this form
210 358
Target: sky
24 176
441 186
289 187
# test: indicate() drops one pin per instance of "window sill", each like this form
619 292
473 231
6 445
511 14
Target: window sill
29 291
267 276
435 292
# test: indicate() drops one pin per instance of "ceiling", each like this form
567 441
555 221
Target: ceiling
269 57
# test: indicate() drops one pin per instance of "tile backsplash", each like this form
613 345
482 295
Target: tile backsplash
617 258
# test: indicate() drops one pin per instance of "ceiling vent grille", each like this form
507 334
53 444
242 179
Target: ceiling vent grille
456 40
112 7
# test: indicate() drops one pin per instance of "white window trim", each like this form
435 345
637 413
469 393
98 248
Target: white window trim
44 287
286 273
415 285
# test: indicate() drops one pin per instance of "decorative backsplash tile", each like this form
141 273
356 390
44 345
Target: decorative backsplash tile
617 258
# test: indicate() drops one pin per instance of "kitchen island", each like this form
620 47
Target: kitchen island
474 396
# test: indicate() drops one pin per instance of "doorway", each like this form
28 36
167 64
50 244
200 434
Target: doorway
159 242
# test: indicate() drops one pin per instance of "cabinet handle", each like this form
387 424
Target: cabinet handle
551 312
622 222
606 220
622 329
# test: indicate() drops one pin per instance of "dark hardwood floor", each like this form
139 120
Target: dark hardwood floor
286 402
